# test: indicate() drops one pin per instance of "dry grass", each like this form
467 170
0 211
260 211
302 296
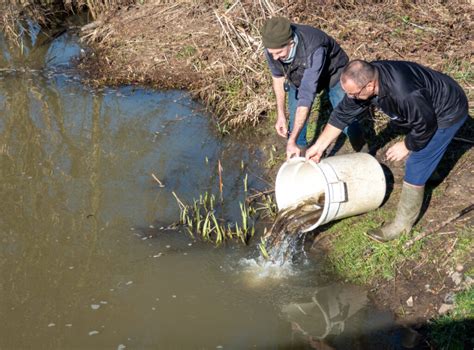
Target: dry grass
214 48
48 13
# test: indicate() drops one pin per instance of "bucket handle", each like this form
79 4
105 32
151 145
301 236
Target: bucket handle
338 192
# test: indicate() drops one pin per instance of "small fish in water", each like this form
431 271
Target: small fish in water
289 225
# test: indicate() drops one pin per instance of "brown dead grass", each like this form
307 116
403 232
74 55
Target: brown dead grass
215 50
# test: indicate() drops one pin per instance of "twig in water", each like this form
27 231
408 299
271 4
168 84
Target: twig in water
157 180
439 226
219 170
252 197
178 200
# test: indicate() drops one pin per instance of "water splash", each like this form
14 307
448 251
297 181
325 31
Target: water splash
285 239
262 269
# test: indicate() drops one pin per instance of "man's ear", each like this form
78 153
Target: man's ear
372 84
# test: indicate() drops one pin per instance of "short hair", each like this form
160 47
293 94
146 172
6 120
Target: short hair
359 71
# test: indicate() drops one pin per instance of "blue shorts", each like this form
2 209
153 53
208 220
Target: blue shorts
335 94
421 164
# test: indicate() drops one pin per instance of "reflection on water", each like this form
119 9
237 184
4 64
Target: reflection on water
78 207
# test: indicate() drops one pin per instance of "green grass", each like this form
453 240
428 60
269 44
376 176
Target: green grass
275 158
454 330
186 52
464 248
357 258
460 70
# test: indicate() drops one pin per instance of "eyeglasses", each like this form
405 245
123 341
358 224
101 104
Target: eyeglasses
356 95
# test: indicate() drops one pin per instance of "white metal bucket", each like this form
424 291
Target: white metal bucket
352 184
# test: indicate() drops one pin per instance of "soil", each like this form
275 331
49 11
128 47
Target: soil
185 46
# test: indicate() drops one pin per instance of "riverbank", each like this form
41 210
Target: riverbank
213 49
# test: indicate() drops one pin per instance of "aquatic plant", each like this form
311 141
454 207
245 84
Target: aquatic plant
262 246
200 219
266 206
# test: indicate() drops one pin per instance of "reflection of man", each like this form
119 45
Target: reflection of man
303 61
431 105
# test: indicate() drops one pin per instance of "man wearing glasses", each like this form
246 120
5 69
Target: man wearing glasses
303 61
431 105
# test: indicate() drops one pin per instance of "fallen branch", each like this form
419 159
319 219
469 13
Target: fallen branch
439 226
251 198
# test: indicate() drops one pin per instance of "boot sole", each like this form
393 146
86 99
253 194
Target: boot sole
374 238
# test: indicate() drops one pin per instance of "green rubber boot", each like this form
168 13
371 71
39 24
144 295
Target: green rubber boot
408 210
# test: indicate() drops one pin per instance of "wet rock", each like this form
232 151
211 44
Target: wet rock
445 308
410 301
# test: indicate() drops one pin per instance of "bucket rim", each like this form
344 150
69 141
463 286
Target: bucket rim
302 161
327 199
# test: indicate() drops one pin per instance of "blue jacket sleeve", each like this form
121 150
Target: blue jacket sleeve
309 82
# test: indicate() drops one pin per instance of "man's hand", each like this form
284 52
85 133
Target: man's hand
329 135
292 150
314 153
397 152
281 126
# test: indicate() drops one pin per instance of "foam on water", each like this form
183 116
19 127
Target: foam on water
265 269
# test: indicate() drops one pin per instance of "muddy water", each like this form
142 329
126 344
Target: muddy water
84 261
284 239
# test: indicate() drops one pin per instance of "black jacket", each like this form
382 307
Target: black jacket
414 97
311 39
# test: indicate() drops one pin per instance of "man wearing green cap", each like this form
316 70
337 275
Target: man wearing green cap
303 61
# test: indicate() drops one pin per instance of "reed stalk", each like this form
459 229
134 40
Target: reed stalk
200 219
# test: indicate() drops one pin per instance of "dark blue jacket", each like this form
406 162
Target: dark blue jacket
319 59
414 97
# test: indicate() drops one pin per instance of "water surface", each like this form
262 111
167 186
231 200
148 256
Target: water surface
84 260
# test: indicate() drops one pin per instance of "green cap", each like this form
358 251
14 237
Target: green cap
276 32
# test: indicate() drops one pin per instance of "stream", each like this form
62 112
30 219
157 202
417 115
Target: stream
86 259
